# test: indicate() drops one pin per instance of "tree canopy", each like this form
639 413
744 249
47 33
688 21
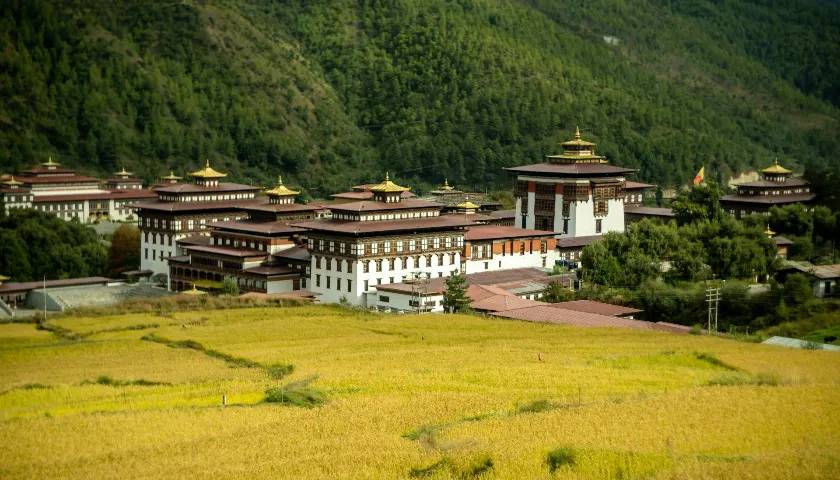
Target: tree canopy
34 245
333 92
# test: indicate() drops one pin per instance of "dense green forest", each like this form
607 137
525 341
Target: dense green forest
332 92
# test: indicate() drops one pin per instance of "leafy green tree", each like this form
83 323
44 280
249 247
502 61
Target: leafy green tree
599 266
14 257
229 286
698 203
797 289
556 292
53 248
124 252
455 296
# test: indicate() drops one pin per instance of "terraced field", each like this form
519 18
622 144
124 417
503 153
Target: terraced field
364 395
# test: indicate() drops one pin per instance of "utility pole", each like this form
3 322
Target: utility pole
45 299
713 299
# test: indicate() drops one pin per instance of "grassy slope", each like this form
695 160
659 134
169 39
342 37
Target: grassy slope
407 392
332 92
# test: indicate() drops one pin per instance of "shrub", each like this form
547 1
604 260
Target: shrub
279 370
478 467
560 457
298 393
736 379
536 406
420 472
713 360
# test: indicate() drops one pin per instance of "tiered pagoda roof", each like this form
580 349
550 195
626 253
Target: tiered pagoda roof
578 159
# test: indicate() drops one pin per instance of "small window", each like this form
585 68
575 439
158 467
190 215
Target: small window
384 299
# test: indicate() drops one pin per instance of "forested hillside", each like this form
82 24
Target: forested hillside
331 92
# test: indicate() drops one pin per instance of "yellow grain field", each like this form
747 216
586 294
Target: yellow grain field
433 396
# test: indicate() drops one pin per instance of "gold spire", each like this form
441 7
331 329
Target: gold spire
50 163
388 186
12 182
207 172
446 186
281 190
467 204
171 176
123 172
577 140
776 168
193 291
769 232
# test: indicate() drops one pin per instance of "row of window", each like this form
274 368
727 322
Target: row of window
386 246
342 284
156 255
236 243
777 192
386 216
177 224
206 198
379 265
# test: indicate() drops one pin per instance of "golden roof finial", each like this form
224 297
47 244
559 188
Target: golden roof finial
281 190
577 133
388 186
776 168
769 232
207 172
12 182
50 162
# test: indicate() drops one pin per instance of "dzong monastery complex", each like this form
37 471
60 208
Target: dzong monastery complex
373 246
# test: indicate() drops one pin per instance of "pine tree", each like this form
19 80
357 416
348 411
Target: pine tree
455 297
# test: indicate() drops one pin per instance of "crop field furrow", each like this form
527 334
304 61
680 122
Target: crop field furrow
379 396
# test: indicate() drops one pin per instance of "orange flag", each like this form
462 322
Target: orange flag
701 175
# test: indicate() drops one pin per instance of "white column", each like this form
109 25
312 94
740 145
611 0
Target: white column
530 220
517 220
558 213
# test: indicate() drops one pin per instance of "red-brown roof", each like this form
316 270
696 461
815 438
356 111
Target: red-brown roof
372 206
571 169
649 211
769 199
790 182
503 213
480 292
631 185
364 195
265 228
590 306
195 188
284 207
367 227
74 197
294 253
56 179
15 287
226 251
195 240
267 270
500 278
495 232
573 242
228 205
498 303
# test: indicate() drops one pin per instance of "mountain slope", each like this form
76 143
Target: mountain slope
333 92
